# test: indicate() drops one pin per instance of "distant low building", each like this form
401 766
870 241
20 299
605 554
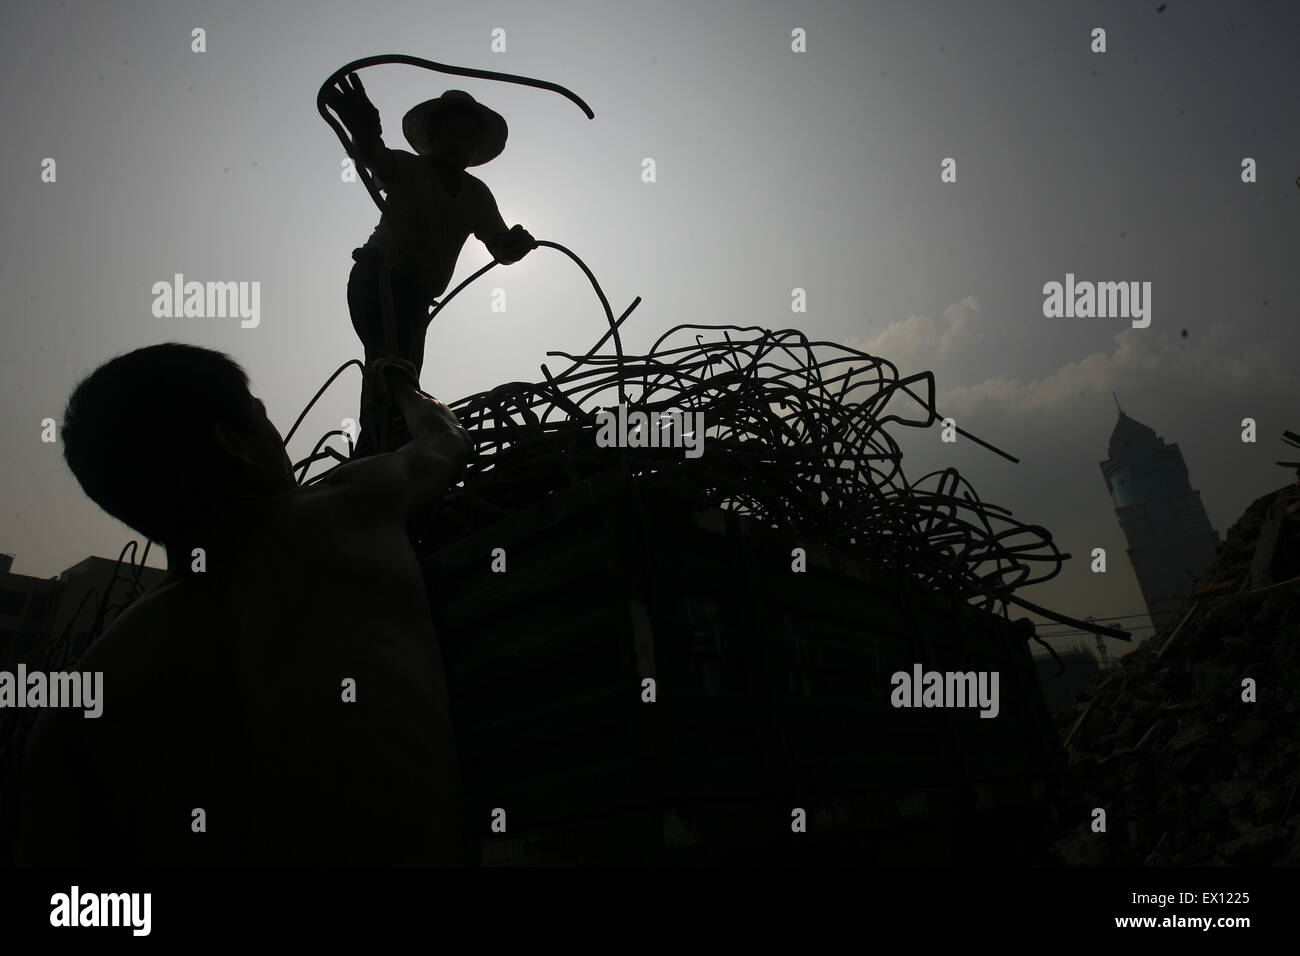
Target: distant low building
50 622
1170 539
27 608
34 610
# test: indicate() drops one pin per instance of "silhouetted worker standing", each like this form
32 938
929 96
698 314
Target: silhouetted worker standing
432 207
280 697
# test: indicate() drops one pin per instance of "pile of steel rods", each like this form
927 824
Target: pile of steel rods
796 436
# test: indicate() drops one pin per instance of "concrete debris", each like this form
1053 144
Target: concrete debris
1188 771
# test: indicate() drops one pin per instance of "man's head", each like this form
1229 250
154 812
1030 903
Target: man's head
167 437
455 128
454 135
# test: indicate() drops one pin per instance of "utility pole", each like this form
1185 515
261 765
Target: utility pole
1103 656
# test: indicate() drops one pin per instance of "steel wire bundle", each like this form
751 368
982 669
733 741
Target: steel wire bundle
796 436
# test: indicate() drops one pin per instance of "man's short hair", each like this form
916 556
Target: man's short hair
138 434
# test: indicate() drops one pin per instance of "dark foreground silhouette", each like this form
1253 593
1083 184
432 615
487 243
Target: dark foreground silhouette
280 697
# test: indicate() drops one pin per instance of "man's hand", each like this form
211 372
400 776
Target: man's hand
513 245
388 374
399 385
414 478
348 99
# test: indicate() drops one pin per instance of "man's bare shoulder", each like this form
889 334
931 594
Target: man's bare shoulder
476 184
345 524
140 637
353 496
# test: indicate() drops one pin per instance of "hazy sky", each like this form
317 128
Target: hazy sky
776 169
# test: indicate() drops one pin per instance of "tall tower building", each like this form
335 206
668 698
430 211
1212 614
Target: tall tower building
1170 540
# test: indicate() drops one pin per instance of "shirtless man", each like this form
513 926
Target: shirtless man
229 734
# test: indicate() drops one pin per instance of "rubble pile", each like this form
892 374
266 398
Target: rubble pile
1187 771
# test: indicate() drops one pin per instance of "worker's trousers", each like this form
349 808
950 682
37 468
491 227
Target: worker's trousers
390 314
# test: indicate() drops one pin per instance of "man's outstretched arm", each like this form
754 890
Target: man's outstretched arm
411 480
348 99
506 245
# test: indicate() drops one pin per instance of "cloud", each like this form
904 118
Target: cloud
1218 365
1193 391
921 342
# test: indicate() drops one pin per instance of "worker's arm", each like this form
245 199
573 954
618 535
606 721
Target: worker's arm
506 245
406 483
348 99
377 157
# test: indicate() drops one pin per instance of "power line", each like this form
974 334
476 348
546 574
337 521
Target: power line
1144 627
1117 617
